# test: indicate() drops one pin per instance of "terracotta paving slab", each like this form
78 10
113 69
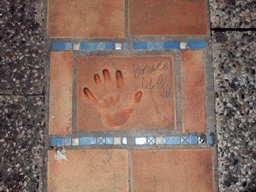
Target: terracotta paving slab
172 170
60 99
86 18
125 92
193 93
165 17
89 170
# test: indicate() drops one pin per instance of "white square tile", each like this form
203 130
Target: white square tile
118 46
75 141
183 45
117 141
76 46
125 141
141 141
159 140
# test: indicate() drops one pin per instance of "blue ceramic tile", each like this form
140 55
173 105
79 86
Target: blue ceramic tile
172 140
100 141
101 46
62 46
124 141
185 140
140 46
125 46
66 141
109 140
140 140
193 140
171 45
110 46
151 140
209 140
88 46
56 141
196 45
87 141
155 46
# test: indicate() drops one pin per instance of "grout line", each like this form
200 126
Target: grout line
126 21
129 171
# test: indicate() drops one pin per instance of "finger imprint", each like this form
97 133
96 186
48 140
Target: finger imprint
97 79
119 79
106 75
137 97
89 95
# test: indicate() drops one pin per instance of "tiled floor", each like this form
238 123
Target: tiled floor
121 88
86 18
132 113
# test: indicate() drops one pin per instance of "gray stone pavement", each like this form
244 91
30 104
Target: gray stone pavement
22 100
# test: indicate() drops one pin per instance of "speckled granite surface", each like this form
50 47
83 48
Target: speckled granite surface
21 140
233 13
235 92
22 45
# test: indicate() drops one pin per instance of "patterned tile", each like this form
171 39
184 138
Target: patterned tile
87 141
155 46
101 46
101 141
66 141
172 140
185 140
197 45
62 46
151 140
109 140
88 46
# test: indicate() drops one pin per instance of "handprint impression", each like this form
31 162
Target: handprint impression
111 101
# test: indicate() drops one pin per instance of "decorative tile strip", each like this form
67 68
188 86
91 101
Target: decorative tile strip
95 46
171 140
85 141
197 44
169 45
62 46
144 140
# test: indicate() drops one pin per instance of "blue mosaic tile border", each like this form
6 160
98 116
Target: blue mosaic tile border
85 141
145 140
149 46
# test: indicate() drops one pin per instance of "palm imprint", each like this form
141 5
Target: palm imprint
115 106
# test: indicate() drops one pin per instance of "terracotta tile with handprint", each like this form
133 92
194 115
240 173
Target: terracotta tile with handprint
121 92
